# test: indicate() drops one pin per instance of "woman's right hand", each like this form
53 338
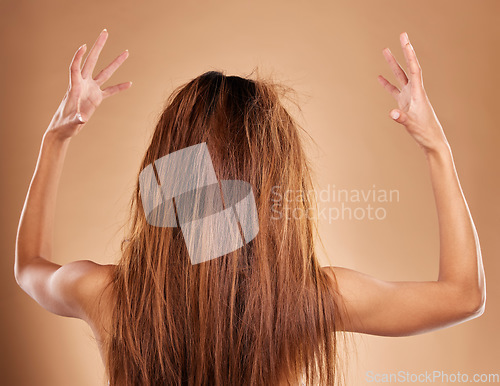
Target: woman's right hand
414 108
84 92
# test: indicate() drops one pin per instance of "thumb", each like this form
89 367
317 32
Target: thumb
400 116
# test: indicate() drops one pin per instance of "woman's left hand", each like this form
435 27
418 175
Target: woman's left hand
84 93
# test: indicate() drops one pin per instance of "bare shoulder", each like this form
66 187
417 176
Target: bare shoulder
89 286
334 273
97 291
95 294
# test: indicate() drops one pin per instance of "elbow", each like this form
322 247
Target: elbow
20 268
468 300
474 303
476 309
17 274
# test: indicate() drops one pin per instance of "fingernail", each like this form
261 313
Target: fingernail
104 30
395 115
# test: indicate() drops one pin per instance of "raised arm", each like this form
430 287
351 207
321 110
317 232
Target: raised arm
397 308
60 289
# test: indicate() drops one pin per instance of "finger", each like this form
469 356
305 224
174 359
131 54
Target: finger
395 67
393 90
112 90
411 58
91 60
105 74
400 117
74 68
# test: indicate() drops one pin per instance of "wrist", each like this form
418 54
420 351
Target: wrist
440 155
54 137
438 150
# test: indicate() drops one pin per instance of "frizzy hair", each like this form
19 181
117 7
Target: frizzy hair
263 314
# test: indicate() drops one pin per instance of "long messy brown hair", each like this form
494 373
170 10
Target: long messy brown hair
265 314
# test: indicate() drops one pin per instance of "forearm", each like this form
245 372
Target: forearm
36 225
460 254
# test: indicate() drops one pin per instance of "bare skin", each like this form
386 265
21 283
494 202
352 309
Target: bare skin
399 308
375 306
70 289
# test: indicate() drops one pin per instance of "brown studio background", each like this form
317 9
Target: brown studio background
330 52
